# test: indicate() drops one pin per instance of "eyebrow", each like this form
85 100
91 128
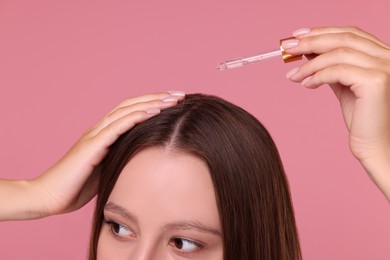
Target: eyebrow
180 225
186 225
116 209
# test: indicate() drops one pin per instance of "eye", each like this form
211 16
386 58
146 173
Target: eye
119 230
185 245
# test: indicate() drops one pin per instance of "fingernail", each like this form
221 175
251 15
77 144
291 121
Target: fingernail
169 99
301 32
288 44
153 111
306 80
292 72
177 93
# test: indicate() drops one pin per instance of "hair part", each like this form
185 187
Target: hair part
250 185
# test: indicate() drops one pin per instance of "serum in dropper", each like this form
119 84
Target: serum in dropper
239 62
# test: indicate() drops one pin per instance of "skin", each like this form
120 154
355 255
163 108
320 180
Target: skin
162 207
356 65
72 181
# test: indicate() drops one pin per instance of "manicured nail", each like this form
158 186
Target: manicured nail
301 32
306 80
292 72
288 44
177 93
153 111
170 99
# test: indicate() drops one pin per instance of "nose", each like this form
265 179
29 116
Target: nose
147 251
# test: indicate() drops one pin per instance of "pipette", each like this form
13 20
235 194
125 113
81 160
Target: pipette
239 62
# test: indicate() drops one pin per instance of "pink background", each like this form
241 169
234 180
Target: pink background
64 64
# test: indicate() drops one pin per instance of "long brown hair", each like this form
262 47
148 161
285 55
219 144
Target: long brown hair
251 188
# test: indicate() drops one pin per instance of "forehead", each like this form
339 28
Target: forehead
169 184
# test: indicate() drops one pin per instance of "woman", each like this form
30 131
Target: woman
202 161
353 62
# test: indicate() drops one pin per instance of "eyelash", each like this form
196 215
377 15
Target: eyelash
199 245
172 241
112 225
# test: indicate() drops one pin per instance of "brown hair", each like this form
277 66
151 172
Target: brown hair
251 189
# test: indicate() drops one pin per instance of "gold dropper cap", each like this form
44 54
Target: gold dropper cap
287 57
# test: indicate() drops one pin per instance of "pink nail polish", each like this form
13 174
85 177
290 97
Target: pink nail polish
301 32
170 99
292 72
288 44
177 93
153 111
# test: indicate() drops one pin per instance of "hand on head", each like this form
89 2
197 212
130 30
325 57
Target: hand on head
72 182
354 63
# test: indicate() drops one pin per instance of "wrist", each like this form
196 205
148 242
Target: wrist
377 165
33 201
19 200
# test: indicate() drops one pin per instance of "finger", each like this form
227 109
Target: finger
149 97
319 44
108 135
158 100
166 102
355 78
343 29
346 56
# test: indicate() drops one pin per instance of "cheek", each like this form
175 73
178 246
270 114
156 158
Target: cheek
107 249
102 247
